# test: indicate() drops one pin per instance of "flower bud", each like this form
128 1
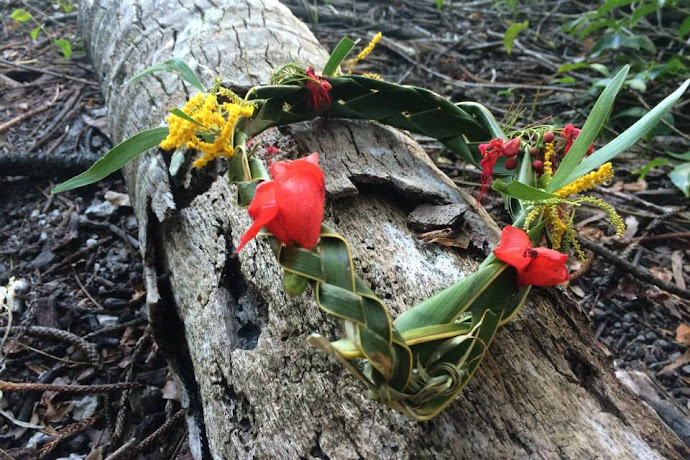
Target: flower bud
538 165
549 136
512 147
511 163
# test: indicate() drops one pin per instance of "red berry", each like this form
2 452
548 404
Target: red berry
538 165
533 151
511 163
549 136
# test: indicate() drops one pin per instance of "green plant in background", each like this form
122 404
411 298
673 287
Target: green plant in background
23 16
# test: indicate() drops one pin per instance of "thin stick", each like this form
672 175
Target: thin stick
639 272
48 72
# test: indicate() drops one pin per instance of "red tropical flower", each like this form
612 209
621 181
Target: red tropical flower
291 205
319 91
535 266
490 154
570 133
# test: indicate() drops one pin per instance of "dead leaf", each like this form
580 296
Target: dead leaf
678 362
592 233
446 237
620 186
683 334
631 226
577 290
116 198
661 273
100 123
170 390
677 268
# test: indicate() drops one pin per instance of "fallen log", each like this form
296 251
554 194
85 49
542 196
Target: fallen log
252 386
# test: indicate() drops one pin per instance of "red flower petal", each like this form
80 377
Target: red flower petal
513 248
546 269
300 194
262 209
291 205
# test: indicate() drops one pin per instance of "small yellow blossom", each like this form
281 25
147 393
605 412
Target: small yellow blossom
548 166
213 120
588 181
366 51
375 76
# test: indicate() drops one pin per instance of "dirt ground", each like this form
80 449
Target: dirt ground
77 326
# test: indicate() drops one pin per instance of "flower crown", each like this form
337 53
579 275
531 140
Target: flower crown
419 362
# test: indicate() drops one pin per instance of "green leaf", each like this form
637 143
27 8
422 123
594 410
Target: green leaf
65 46
590 130
522 191
618 40
338 55
21 15
684 28
642 11
681 156
643 171
512 33
34 32
177 66
611 5
625 140
680 177
176 111
115 158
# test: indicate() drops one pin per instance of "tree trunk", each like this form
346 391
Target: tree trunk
253 387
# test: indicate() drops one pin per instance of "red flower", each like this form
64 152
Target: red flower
291 205
535 266
570 133
490 153
319 91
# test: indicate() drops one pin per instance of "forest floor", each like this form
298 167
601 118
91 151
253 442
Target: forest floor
79 317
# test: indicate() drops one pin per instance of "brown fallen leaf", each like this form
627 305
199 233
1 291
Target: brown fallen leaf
661 273
678 362
683 334
446 237
677 268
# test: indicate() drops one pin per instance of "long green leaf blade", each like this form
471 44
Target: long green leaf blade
522 191
338 55
590 130
628 137
115 158
175 65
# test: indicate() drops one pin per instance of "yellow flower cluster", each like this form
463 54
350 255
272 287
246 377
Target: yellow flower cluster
548 166
213 120
556 226
366 51
181 130
588 181
222 145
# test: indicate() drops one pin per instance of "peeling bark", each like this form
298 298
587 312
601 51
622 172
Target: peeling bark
253 387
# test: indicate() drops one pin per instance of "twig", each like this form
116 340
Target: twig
663 236
83 289
639 272
19 118
19 387
113 228
147 443
48 72
106 330
63 336
68 432
68 110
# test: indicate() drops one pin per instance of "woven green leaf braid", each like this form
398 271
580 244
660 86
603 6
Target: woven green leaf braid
406 107
417 364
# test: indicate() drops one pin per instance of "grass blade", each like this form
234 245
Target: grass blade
116 158
590 130
627 138
175 65
338 55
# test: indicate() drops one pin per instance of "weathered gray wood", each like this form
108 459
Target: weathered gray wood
253 387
